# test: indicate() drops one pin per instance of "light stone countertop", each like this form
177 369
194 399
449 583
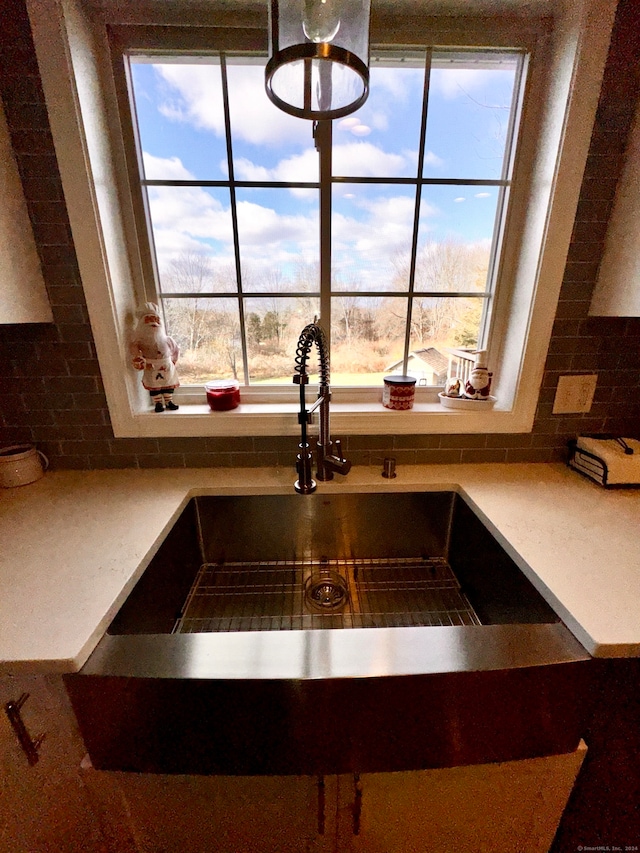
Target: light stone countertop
75 542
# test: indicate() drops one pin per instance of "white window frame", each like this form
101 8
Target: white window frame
565 76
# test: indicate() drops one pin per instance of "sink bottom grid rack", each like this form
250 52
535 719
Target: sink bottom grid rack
273 596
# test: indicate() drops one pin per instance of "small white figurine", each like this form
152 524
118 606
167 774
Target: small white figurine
156 354
478 385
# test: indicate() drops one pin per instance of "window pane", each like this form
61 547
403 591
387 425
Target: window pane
208 334
438 325
193 223
273 328
470 96
180 119
382 138
372 227
279 240
268 144
454 237
367 338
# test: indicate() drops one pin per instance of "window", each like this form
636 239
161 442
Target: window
81 67
418 182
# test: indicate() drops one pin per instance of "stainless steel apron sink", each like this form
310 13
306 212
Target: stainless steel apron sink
327 634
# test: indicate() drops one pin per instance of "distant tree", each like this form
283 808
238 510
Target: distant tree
189 273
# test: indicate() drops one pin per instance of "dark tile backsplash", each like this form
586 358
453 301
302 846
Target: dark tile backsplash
52 391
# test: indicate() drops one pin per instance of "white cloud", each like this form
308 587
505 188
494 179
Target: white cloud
371 242
300 167
365 160
165 168
350 158
460 198
483 195
194 95
431 159
459 82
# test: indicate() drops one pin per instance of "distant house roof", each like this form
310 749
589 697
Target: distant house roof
430 356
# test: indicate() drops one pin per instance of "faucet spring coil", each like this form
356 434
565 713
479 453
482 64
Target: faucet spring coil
313 334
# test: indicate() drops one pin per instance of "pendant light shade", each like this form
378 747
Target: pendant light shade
318 64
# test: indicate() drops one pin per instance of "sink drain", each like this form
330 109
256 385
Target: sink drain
326 592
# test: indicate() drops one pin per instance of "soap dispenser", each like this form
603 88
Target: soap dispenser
478 385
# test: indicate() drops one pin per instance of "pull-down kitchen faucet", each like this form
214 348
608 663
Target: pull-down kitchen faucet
327 460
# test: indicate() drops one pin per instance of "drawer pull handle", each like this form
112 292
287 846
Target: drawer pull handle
30 746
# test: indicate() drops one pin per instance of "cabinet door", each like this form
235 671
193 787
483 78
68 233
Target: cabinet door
44 807
225 814
511 807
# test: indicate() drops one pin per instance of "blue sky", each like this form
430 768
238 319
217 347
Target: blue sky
181 123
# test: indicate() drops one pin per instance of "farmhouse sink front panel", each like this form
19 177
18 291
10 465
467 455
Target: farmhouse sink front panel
328 634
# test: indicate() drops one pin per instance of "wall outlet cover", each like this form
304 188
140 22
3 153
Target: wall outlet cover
574 394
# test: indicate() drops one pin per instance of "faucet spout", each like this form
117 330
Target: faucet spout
329 456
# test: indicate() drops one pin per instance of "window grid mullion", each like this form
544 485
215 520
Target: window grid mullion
416 214
234 215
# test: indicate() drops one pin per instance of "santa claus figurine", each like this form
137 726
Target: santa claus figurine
478 385
156 354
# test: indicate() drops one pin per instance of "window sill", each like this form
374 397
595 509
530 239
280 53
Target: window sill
346 419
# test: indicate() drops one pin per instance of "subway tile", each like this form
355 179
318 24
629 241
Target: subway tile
585 362
37 165
474 440
438 456
92 432
561 363
572 308
198 460
287 459
26 117
483 454
371 442
61 432
162 460
48 212
72 385
60 276
181 445
594 210
545 424
280 443
81 417
42 189
600 189
65 255
234 444
133 446
531 454
79 448
402 457
84 367
509 440
566 328
267 459
55 234
74 332
70 462
96 462
586 252
33 142
22 88
417 442
51 401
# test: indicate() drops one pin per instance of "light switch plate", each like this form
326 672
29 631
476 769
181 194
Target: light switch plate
574 394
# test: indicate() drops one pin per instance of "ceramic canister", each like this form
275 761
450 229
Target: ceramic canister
21 464
399 392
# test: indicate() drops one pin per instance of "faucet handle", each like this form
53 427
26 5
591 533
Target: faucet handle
338 447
